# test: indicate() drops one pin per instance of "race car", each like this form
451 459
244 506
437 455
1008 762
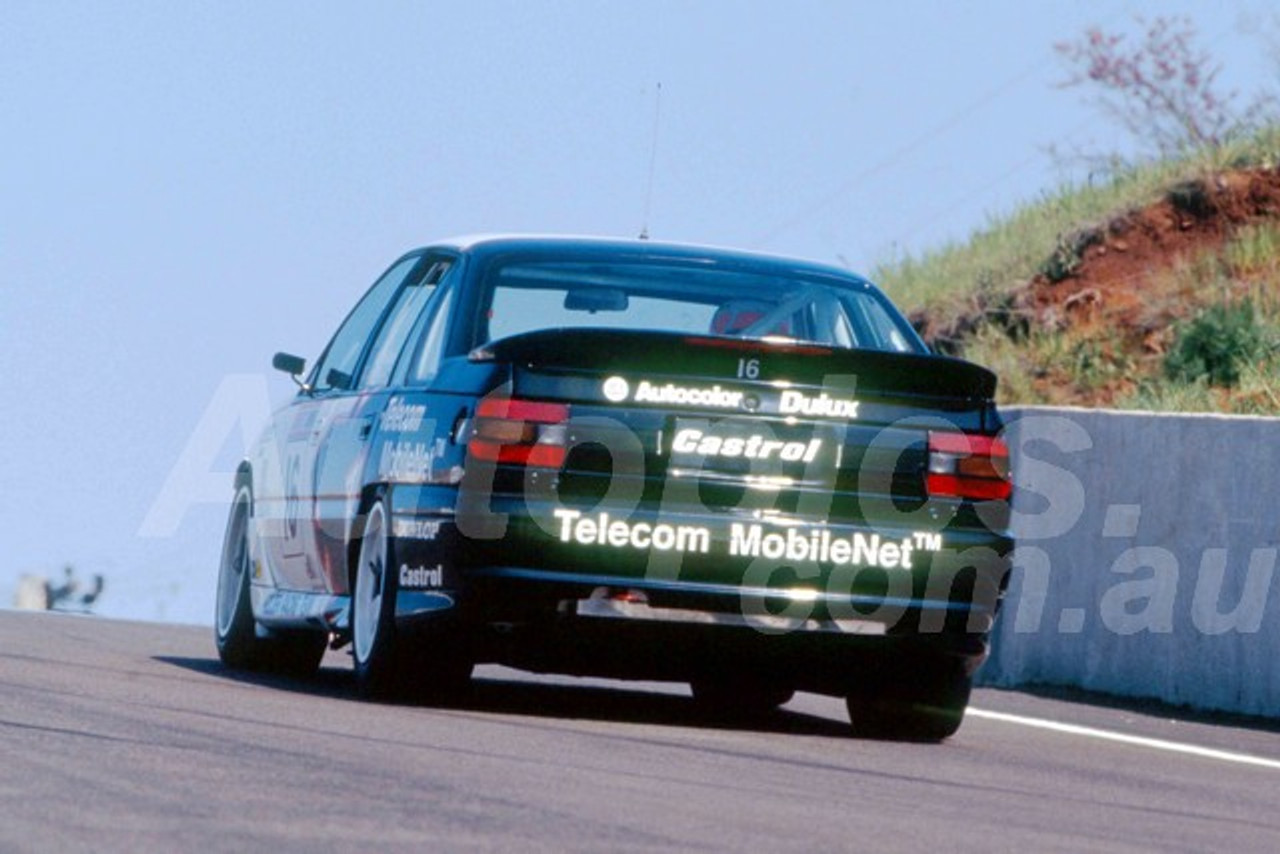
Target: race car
628 459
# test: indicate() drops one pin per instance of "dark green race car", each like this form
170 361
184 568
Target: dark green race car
634 460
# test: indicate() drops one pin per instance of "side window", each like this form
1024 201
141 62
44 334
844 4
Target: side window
395 331
427 363
876 328
337 367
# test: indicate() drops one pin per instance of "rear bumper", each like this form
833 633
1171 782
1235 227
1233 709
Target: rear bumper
885 581
534 602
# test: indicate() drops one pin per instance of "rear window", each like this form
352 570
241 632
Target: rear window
522 295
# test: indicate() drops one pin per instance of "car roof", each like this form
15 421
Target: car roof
493 244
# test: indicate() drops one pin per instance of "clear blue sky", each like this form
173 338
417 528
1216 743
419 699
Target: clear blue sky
187 187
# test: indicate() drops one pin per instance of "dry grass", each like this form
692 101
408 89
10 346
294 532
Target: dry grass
1094 364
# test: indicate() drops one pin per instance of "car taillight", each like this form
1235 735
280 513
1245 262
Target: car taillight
520 432
965 466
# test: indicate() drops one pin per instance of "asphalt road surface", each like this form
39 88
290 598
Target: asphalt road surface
119 736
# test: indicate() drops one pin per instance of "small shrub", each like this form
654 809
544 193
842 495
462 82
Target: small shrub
1216 345
1093 363
1192 198
1062 263
1068 254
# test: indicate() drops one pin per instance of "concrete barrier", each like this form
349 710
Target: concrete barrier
1147 547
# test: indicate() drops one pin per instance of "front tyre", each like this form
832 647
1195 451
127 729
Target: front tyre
296 653
233 624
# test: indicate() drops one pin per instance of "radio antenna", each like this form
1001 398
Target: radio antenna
653 161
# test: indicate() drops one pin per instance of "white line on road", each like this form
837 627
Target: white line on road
1140 741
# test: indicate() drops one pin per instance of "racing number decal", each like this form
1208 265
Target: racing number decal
297 488
292 502
748 369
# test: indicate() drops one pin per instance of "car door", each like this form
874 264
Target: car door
348 431
286 487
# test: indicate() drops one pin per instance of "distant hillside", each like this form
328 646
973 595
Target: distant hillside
1159 289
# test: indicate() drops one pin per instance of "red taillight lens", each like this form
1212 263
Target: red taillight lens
520 432
965 466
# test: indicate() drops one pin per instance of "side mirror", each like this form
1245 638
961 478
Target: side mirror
292 365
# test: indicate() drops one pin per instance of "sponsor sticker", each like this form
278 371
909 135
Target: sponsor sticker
798 403
755 447
421 577
280 604
415 529
400 417
714 396
617 389
409 462
794 545
819 546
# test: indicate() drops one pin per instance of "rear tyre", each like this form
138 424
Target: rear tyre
392 664
373 629
929 709
294 653
739 696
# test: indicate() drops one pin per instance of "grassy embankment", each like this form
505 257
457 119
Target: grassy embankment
1159 289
